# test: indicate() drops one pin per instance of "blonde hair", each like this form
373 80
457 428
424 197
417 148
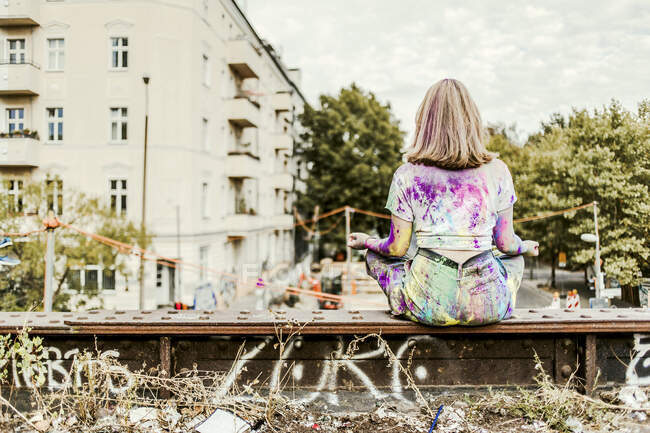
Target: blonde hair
448 129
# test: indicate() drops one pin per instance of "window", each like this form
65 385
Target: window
166 277
15 119
16 50
118 196
55 124
204 200
119 53
108 279
203 261
204 134
92 278
74 279
54 188
159 275
55 54
91 282
205 67
15 194
118 124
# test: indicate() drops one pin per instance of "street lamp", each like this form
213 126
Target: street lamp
588 237
594 238
145 79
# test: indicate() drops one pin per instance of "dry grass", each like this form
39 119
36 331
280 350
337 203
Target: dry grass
551 404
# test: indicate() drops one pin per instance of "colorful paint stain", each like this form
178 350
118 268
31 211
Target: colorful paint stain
430 292
451 209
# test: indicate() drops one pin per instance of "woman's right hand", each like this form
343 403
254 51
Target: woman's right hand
531 248
357 240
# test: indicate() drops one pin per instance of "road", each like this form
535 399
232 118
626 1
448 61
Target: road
529 296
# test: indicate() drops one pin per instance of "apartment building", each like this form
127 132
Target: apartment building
78 78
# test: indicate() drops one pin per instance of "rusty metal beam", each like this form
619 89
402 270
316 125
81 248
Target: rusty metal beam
591 369
165 362
164 322
314 359
318 363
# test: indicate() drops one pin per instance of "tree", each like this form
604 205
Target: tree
352 147
602 156
21 287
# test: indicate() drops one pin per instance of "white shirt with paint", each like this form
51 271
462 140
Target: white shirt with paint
452 209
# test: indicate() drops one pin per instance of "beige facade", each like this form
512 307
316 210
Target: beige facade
221 131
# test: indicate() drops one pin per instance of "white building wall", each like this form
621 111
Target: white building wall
167 40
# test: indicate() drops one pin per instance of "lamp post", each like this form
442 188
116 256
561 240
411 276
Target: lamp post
145 79
594 238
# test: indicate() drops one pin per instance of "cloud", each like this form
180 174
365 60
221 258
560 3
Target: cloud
521 62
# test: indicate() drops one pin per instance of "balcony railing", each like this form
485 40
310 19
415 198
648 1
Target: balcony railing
243 59
245 147
19 78
281 101
242 112
283 141
19 150
239 225
282 181
242 165
282 220
19 13
250 95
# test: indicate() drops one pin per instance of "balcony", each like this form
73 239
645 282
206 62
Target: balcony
281 101
19 152
282 221
243 59
301 186
19 13
19 78
242 112
242 165
239 225
283 141
282 181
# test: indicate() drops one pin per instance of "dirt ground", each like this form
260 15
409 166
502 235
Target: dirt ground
456 416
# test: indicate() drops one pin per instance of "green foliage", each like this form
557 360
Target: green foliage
352 148
21 287
601 156
29 354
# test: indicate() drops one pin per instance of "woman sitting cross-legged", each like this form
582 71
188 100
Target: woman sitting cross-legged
456 198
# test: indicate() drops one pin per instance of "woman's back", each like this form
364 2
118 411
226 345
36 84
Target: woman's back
451 209
456 197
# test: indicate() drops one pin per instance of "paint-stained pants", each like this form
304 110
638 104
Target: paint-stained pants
432 291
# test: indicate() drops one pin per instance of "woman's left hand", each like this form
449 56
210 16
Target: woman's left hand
357 240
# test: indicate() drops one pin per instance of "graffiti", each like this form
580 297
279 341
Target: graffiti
315 366
638 371
240 363
319 368
59 377
329 377
328 381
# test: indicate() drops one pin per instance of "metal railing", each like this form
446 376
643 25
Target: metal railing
23 62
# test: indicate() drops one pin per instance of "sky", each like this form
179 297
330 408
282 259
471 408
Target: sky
520 60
